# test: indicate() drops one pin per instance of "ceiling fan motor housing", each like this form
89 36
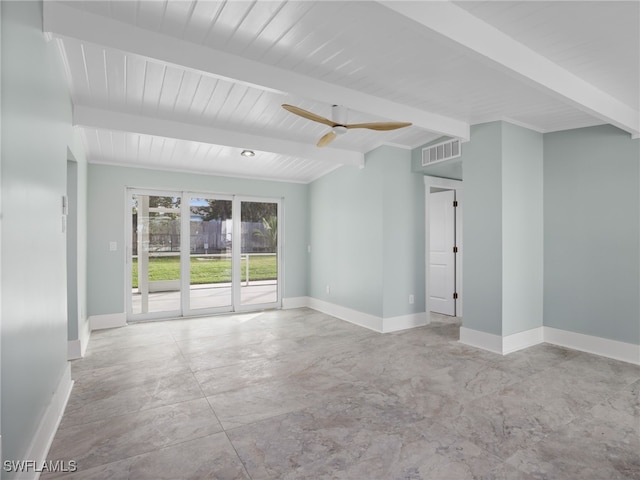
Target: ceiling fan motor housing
339 115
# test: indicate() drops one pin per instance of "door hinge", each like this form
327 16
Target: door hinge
455 203
455 249
455 295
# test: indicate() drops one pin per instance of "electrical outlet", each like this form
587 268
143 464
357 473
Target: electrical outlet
328 289
113 246
411 299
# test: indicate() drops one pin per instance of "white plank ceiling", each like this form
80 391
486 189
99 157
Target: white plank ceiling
186 85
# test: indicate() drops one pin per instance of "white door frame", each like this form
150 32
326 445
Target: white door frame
448 184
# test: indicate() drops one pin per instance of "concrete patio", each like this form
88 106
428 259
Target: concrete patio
212 295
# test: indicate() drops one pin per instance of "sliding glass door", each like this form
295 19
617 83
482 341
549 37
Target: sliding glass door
259 252
210 255
194 254
155 254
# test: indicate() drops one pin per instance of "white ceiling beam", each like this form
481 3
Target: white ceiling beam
65 21
498 49
85 116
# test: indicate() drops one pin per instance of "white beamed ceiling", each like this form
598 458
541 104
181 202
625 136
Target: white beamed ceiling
603 47
375 59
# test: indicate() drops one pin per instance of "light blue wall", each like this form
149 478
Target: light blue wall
591 224
76 149
482 233
346 236
72 247
367 236
404 217
78 323
106 222
503 229
522 229
36 132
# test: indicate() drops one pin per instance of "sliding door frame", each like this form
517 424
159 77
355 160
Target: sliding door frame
237 252
185 263
185 239
129 193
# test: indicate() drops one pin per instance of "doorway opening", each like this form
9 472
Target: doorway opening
195 254
443 246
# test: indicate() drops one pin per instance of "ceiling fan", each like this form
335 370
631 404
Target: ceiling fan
339 125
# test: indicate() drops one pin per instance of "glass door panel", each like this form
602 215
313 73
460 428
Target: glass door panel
259 253
210 254
193 253
155 259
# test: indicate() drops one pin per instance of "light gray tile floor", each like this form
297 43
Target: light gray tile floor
296 394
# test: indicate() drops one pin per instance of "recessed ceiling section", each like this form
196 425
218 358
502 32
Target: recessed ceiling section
149 151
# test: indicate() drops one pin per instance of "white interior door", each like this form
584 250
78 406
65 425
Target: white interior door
442 278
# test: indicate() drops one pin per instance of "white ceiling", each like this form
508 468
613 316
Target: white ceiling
186 85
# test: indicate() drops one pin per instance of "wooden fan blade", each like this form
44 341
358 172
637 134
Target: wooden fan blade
380 125
326 139
308 115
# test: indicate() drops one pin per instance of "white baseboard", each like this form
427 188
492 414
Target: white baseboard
295 302
39 447
372 322
403 322
483 340
499 344
626 352
74 349
521 340
347 314
85 335
77 348
110 320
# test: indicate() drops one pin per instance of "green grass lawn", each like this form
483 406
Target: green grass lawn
208 269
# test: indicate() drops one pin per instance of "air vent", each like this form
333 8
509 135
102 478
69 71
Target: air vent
440 152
